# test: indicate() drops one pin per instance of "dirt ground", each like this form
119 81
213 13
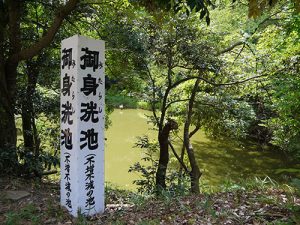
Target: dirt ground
268 206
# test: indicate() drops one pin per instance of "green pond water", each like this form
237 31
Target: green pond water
218 160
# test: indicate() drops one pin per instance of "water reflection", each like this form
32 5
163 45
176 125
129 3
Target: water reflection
224 160
218 160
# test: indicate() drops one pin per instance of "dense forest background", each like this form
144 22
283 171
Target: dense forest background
230 68
226 68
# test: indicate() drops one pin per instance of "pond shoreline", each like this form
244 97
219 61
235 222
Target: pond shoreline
214 156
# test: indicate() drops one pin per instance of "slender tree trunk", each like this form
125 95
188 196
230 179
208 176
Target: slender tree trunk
28 120
180 172
164 154
27 128
163 158
162 164
30 135
195 173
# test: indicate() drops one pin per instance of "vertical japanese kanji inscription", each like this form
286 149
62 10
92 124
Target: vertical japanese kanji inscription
82 125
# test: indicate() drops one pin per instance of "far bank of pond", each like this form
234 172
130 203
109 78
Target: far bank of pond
218 160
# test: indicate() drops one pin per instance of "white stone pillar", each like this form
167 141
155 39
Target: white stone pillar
82 125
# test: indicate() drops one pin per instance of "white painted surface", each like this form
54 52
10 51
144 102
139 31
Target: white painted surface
87 192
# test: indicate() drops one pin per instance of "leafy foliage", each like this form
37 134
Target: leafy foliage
147 171
24 163
8 161
154 47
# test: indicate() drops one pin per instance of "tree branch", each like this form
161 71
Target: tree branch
178 158
216 84
228 49
49 36
172 102
191 134
239 53
153 107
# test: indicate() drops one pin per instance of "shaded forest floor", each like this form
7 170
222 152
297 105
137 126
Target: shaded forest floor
263 205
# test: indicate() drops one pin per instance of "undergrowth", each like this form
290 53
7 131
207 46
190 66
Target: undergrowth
236 201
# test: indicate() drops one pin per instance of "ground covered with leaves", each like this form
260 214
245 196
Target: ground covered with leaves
258 205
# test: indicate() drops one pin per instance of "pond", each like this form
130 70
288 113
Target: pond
218 160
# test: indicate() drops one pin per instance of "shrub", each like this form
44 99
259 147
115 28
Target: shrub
177 184
8 161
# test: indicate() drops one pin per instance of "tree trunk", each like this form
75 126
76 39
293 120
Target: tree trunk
8 75
28 121
195 173
180 172
8 132
27 128
27 115
163 139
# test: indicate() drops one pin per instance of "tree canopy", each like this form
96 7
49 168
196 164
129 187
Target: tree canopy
230 68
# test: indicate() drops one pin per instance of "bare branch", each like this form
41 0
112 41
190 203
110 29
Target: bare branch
191 134
178 158
175 101
240 52
217 84
231 47
153 95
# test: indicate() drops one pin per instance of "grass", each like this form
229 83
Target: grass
260 201
28 213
